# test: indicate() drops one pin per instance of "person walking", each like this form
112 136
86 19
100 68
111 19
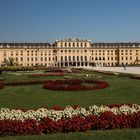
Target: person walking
124 67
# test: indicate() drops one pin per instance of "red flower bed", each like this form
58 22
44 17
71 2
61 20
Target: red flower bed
16 127
106 120
19 83
75 85
77 70
1 85
48 74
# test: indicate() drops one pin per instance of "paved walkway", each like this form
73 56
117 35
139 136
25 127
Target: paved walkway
133 70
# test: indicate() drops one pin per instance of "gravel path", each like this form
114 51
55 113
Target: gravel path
133 70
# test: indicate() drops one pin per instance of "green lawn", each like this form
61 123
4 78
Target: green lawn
123 134
121 90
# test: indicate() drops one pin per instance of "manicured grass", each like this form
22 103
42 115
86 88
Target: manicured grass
121 90
123 134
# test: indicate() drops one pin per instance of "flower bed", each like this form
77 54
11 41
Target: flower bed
43 120
1 85
19 83
75 85
48 74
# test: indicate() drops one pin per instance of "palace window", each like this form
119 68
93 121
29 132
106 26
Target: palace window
73 58
81 58
65 58
85 44
77 44
61 58
77 58
69 58
73 44
85 58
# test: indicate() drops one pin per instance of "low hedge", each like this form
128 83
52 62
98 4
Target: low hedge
47 74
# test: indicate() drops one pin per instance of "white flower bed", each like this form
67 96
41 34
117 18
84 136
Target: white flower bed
68 112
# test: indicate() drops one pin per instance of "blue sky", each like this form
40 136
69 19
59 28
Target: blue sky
48 20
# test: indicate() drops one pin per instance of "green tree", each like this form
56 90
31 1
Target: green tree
10 62
92 64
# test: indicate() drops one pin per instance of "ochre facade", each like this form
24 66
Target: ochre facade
71 52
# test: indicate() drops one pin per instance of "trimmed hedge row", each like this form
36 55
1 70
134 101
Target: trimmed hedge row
135 77
48 74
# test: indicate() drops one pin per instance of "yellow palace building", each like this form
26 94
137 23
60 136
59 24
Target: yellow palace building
71 52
